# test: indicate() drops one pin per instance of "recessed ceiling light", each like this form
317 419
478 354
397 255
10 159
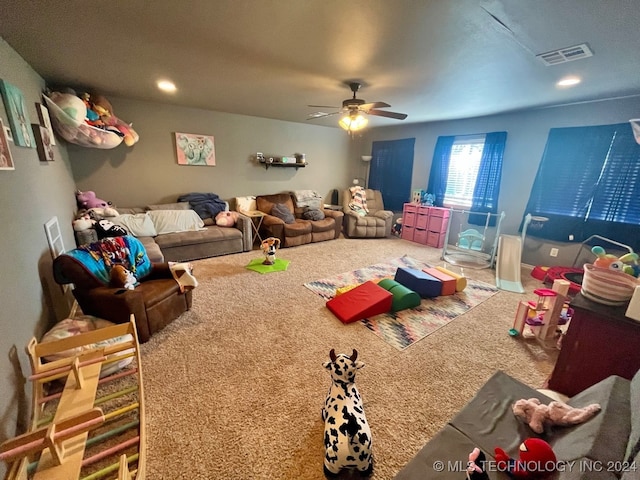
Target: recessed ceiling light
166 86
568 82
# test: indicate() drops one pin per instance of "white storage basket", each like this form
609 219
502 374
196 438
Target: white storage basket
607 286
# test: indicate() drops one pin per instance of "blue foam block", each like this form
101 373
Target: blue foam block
420 282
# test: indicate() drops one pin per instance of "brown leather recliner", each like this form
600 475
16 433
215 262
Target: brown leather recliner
301 231
155 301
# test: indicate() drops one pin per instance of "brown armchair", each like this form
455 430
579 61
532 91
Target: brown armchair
376 224
301 231
155 301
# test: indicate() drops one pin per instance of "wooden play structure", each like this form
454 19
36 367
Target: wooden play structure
544 315
83 427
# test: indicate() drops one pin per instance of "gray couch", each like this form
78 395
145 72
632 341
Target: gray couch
608 444
192 245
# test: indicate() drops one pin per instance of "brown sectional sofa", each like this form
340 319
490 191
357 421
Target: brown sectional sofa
301 231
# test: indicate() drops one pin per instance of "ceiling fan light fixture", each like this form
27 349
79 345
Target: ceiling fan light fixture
353 122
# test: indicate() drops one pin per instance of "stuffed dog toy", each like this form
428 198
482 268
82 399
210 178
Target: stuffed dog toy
269 247
538 415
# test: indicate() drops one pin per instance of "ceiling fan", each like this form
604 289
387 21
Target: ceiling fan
353 108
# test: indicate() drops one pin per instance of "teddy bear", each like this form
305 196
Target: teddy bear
120 277
226 219
538 415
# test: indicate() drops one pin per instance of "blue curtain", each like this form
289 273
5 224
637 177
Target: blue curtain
588 183
487 188
440 169
391 171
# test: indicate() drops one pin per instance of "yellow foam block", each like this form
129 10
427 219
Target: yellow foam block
345 289
461 282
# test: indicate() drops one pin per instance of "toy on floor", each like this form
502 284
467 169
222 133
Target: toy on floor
347 436
269 247
396 229
544 315
539 416
536 460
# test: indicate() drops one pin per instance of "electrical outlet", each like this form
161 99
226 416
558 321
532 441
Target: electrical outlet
553 252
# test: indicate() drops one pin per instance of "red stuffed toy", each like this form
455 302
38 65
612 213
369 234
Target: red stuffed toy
536 460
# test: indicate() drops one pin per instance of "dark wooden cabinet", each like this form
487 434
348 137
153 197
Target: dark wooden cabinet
600 341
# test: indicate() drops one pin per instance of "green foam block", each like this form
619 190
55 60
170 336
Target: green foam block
403 297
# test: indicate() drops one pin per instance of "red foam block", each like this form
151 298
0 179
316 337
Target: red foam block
364 301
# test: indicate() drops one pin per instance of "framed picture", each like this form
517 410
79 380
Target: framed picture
17 114
45 120
6 160
43 143
192 149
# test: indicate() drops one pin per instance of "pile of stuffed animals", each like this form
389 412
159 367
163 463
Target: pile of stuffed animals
94 212
96 111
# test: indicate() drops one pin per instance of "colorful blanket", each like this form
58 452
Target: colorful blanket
358 201
100 257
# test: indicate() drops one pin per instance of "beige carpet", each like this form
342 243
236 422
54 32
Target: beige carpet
234 387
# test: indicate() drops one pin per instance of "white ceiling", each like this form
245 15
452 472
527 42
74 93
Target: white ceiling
431 59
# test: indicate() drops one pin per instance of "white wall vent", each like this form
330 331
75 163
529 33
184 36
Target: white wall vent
567 54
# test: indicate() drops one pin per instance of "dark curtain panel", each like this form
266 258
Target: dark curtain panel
487 188
391 170
440 169
588 183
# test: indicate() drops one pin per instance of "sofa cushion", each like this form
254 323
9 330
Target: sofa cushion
283 213
633 446
604 437
131 210
205 235
137 224
171 221
324 225
488 419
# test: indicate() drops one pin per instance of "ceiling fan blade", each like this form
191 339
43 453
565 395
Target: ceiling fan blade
322 106
367 106
314 116
382 113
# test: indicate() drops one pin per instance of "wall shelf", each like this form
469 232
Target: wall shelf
285 165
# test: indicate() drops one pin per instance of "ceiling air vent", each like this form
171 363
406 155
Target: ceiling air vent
565 55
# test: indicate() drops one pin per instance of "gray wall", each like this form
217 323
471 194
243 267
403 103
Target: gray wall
29 196
148 172
526 139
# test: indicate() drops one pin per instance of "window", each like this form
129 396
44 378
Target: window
466 172
588 183
464 163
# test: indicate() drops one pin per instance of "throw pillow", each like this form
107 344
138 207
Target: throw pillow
138 225
172 221
283 213
313 214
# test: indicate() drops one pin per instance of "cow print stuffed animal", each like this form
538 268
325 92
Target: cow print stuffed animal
347 437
